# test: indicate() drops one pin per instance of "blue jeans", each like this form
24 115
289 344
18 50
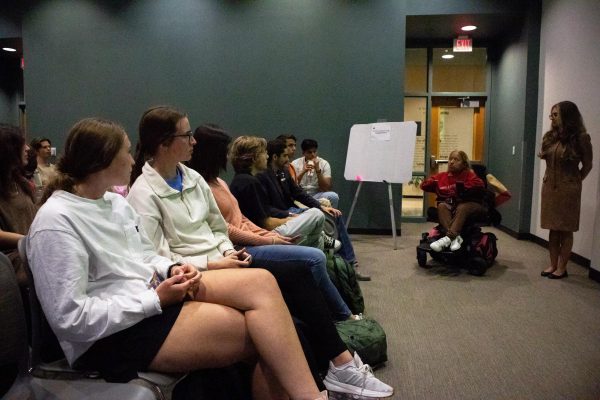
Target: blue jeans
264 256
333 197
347 250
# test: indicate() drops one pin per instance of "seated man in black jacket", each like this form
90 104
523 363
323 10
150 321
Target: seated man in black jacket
283 192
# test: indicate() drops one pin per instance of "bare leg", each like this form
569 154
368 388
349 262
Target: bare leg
566 245
553 249
225 335
342 358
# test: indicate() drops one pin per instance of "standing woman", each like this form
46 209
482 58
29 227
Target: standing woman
17 208
118 307
565 147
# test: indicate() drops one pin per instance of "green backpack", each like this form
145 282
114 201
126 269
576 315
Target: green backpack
343 276
366 337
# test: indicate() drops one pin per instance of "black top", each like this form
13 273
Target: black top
282 191
252 199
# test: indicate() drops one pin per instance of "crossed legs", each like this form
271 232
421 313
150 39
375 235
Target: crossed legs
239 314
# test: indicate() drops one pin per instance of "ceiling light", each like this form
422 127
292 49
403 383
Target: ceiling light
469 28
9 49
448 56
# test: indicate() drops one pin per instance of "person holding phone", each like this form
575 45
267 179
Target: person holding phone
118 307
266 247
180 214
460 196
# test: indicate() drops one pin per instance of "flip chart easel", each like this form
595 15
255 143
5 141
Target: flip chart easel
380 152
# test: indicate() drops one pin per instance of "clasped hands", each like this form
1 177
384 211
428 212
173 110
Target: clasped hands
183 282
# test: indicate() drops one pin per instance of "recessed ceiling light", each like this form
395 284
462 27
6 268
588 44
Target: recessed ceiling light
469 28
447 56
9 49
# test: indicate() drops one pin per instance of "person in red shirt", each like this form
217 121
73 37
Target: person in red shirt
460 196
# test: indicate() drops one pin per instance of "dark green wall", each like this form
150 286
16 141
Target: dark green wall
513 119
312 67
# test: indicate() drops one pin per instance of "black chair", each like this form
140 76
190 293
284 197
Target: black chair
15 361
47 361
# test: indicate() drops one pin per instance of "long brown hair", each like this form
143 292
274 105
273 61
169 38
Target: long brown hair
12 170
91 146
157 126
569 133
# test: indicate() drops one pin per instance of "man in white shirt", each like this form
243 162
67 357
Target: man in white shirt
314 173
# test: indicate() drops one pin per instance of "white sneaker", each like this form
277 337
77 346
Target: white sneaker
356 379
455 245
440 244
356 317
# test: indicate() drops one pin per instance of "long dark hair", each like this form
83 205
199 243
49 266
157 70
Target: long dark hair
569 133
12 170
91 146
157 126
210 154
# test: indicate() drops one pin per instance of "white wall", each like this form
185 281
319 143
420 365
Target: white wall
570 70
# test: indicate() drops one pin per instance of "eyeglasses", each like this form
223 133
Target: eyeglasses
188 134
553 115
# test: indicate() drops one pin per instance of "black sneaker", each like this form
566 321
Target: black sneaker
330 243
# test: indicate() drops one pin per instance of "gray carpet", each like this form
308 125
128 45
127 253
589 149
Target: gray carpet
510 334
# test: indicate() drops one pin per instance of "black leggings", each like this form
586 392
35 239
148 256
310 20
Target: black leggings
306 303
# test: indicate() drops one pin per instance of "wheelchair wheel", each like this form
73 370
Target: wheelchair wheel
477 266
422 258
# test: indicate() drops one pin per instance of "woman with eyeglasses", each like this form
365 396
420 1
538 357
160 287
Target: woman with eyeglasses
118 307
567 150
184 221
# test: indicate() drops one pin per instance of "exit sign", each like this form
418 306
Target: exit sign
463 43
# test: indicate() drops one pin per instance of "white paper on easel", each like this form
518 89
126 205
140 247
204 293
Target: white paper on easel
381 152
381 132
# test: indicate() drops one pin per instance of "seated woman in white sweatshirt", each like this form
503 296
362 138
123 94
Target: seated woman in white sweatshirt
182 218
115 304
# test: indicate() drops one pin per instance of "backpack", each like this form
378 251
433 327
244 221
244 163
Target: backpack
366 337
343 277
484 247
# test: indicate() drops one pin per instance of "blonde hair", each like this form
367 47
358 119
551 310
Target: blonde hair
463 157
244 151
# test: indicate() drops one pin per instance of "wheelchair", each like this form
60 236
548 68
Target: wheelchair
478 251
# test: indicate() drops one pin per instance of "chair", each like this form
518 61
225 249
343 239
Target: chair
14 354
47 361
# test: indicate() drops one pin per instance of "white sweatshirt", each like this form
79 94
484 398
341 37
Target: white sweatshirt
92 262
184 226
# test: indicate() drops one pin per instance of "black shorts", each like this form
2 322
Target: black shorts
120 356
